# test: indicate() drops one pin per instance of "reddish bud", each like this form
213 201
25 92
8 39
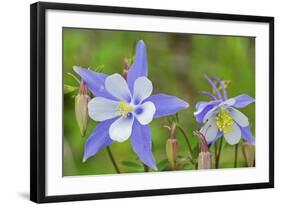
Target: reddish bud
204 157
249 153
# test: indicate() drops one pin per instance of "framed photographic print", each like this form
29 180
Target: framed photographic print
129 102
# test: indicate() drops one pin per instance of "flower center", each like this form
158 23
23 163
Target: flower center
224 120
123 108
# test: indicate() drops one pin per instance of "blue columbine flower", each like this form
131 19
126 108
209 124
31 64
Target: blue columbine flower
220 117
124 108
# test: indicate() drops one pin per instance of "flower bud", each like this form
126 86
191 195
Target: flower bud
204 157
81 107
126 68
249 153
204 160
172 148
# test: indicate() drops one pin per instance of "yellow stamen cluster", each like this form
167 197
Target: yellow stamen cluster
224 120
123 108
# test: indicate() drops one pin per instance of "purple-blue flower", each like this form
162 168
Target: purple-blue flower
220 116
124 108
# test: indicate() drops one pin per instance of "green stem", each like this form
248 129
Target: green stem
235 155
187 141
188 145
113 160
146 168
216 150
219 153
74 77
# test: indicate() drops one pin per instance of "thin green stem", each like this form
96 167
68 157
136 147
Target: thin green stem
235 155
113 160
216 150
186 140
74 77
189 146
219 153
146 168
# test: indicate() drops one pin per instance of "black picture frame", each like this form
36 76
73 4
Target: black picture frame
38 100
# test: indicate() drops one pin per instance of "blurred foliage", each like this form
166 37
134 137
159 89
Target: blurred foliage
177 64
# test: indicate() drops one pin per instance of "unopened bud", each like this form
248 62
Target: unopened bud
249 153
172 148
81 107
204 157
204 160
126 68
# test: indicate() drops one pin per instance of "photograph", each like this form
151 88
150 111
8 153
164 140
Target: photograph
133 102
142 101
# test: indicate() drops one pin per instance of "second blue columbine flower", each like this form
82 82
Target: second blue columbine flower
220 116
125 107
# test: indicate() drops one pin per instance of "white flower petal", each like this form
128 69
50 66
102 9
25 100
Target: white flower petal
233 136
142 89
229 102
117 86
121 129
100 108
239 117
145 112
210 130
210 114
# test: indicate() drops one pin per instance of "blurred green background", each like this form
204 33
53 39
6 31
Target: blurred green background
177 64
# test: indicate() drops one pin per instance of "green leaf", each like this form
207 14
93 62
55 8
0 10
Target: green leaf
188 166
132 166
99 68
163 164
68 88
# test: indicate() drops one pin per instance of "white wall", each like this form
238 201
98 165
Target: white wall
14 99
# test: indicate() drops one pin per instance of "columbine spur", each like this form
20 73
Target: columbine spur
124 108
220 117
